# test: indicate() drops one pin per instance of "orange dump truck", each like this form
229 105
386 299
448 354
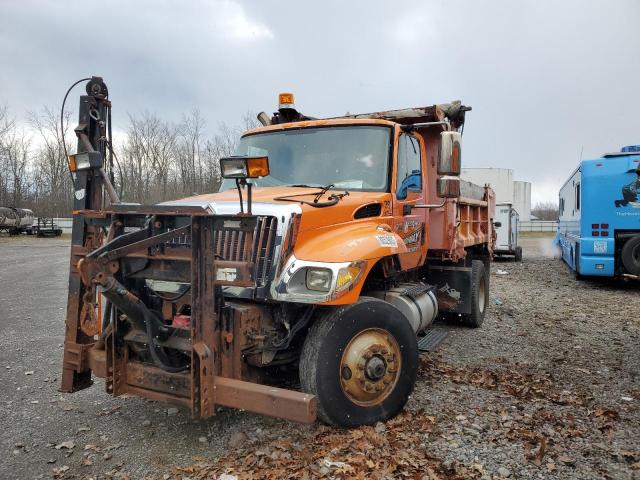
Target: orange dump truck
299 290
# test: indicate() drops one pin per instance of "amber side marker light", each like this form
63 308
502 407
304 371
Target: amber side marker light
85 161
244 167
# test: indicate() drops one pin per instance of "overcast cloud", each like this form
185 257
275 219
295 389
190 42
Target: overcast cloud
546 79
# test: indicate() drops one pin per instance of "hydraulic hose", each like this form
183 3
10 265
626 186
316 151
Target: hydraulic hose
138 313
107 315
64 145
159 357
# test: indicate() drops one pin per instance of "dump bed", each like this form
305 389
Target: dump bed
463 222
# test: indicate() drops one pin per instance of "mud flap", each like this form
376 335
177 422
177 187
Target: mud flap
453 288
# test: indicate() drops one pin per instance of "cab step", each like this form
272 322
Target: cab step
432 339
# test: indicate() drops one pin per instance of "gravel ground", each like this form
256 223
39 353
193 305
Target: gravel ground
556 363
547 388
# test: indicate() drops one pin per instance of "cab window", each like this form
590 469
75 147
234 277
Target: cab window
409 166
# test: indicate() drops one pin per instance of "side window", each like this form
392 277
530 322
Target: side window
409 166
577 196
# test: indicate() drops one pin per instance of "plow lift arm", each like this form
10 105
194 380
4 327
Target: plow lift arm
115 249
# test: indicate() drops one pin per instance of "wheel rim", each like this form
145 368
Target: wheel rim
370 367
481 295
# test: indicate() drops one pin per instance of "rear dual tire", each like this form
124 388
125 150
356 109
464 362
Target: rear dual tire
518 254
479 295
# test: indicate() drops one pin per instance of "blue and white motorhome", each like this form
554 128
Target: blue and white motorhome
599 228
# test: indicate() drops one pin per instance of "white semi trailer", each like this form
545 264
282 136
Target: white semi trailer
506 223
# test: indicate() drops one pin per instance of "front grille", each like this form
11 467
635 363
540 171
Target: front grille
233 245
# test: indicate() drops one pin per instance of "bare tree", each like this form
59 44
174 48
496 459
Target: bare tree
7 125
52 186
545 211
223 144
14 156
190 153
157 160
147 159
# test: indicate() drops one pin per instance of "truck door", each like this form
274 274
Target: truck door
410 224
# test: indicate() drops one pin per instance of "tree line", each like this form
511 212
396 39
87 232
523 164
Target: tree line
155 159
545 211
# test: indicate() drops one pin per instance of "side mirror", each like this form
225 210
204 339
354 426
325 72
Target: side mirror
449 153
497 224
448 187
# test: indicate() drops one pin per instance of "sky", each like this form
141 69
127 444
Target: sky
549 81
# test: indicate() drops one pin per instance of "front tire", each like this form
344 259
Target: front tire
360 361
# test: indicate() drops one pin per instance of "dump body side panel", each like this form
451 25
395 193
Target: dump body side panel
462 222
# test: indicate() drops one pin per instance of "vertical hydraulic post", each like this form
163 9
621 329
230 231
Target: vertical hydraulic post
81 320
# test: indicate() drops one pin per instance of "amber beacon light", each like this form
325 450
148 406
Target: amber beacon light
285 100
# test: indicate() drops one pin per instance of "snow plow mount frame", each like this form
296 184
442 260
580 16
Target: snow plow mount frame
139 246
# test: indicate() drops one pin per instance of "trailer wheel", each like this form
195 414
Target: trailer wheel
360 361
630 255
518 255
479 295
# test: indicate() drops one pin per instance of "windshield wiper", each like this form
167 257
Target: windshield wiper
332 200
322 191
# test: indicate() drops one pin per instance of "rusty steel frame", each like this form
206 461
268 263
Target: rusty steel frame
217 376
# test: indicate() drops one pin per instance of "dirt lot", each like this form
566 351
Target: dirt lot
549 387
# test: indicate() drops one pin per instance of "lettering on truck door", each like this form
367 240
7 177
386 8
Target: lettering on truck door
409 224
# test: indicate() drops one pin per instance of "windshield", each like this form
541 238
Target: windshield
352 157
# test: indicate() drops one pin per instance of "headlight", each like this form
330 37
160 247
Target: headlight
318 279
233 168
85 161
316 282
244 167
82 162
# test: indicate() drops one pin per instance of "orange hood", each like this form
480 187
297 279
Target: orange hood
312 217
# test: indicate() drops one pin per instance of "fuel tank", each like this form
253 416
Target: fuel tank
417 301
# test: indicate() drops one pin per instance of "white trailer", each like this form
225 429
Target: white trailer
506 224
